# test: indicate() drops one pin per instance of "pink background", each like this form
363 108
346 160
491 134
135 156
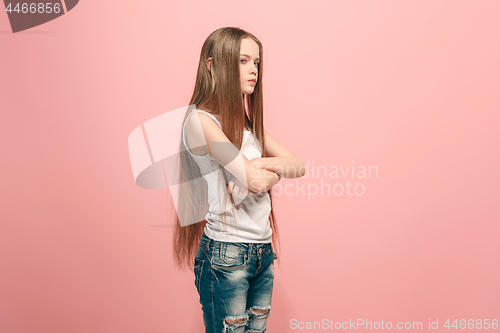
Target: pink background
411 87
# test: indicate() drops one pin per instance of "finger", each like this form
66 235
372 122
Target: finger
243 190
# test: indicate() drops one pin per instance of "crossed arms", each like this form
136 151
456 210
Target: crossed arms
258 175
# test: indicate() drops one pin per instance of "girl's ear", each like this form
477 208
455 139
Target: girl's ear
209 61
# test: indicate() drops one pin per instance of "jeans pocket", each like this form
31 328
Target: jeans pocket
229 253
228 256
198 270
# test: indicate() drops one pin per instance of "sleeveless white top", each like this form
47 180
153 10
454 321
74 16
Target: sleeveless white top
252 214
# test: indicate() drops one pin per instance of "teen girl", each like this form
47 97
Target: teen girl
227 153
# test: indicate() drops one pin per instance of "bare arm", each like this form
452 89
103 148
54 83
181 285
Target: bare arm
286 167
281 160
204 134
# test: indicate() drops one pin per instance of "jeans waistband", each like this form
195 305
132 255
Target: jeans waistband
207 241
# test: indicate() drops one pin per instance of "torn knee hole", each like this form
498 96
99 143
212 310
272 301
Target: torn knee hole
235 321
259 313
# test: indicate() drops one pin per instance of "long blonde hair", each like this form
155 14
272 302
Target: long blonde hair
218 91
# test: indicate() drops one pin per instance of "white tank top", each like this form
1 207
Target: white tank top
252 214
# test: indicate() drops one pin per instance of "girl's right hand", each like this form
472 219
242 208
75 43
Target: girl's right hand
236 188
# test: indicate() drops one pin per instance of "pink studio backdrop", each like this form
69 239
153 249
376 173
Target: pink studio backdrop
410 88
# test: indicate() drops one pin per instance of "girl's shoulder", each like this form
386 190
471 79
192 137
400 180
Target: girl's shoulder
213 116
216 118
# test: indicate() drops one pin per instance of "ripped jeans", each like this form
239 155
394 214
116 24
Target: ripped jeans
235 284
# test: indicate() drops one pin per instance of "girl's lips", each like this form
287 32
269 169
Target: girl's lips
252 81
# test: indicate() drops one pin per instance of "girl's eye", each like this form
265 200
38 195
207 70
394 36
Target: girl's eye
256 63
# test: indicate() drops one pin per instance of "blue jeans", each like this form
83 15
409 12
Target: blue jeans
235 284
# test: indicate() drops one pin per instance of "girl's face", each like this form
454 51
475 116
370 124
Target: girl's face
249 65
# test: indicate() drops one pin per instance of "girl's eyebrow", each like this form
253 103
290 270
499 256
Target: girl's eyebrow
246 55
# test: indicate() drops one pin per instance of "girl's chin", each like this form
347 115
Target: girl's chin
248 92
